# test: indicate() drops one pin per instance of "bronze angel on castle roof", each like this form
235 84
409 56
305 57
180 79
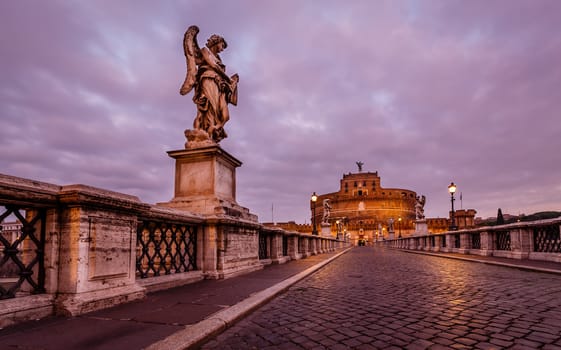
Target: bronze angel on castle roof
214 90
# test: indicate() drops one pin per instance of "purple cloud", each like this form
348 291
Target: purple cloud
423 92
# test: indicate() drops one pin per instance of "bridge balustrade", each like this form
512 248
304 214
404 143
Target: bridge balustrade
264 245
75 249
502 240
22 266
475 240
536 240
547 239
165 248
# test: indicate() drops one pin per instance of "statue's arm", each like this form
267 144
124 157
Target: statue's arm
210 59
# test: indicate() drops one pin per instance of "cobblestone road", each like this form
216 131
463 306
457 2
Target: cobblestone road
383 299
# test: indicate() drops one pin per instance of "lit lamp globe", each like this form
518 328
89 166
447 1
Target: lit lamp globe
314 200
452 188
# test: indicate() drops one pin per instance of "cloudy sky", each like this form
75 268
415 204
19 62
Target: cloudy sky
424 92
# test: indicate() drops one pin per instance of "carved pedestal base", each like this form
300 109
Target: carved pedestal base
421 227
205 182
326 230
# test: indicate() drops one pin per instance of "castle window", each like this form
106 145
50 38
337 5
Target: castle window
355 184
364 183
360 192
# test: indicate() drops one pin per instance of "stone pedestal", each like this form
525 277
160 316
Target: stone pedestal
326 230
391 235
205 182
421 227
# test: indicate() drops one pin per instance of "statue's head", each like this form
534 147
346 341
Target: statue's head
215 39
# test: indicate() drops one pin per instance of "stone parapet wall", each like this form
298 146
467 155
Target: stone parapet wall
90 248
535 240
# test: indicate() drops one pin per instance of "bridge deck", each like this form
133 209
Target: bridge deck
368 298
378 299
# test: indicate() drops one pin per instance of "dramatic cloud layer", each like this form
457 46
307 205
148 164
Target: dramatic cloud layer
424 92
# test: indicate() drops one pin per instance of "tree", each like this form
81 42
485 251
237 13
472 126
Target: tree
500 219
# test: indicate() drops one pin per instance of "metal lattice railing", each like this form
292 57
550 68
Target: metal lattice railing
547 239
164 248
263 238
476 240
284 245
22 269
457 241
503 240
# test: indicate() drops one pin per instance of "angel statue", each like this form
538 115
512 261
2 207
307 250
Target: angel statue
420 207
326 211
213 88
359 164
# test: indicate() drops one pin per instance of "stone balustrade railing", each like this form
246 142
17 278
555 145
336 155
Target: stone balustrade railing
535 240
80 248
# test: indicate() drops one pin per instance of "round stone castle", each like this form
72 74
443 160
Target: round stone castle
366 210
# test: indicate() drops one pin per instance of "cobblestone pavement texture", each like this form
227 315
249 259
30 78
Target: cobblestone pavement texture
372 298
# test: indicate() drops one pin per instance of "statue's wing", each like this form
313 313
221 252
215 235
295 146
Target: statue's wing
192 56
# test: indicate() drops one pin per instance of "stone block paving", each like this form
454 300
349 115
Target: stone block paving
373 298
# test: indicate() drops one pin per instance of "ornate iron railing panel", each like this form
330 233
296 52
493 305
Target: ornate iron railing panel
263 238
547 239
503 240
457 241
475 240
22 269
432 241
284 245
443 240
164 248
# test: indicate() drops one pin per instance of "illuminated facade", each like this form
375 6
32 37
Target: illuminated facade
364 208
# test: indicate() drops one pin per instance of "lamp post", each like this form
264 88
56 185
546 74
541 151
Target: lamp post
399 223
314 200
452 189
338 228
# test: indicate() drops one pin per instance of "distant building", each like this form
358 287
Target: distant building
10 230
291 226
365 209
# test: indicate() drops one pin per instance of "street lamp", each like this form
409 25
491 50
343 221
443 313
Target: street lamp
452 190
337 222
314 200
399 223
